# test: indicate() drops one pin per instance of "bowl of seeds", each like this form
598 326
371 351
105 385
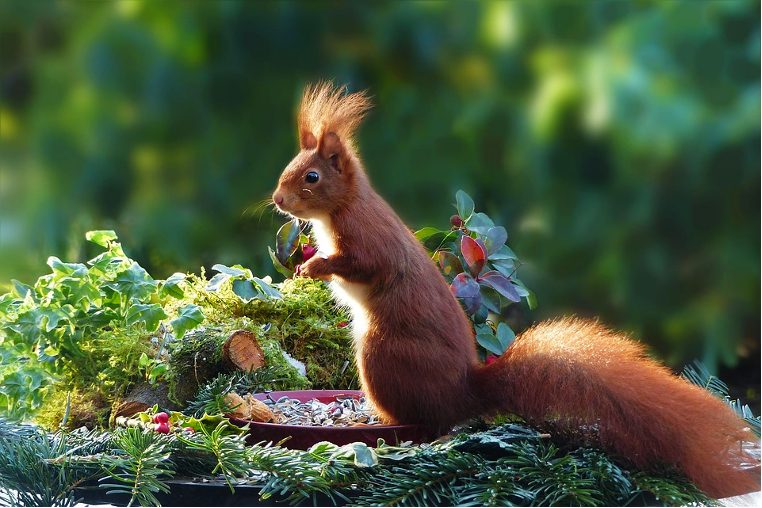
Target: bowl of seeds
303 418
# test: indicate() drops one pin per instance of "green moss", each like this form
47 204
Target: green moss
87 407
305 323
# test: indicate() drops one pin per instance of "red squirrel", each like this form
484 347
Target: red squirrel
415 346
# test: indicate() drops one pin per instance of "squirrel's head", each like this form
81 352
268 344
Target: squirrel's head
323 176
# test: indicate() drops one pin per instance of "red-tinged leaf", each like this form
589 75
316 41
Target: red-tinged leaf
474 254
501 284
450 263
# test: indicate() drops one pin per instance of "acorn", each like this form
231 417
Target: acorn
456 221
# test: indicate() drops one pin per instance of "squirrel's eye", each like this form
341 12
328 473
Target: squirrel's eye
312 177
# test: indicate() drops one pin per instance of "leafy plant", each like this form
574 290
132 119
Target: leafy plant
481 268
292 248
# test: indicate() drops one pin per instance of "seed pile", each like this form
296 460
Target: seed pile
344 412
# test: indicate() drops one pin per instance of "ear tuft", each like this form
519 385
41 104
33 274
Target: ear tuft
332 149
307 140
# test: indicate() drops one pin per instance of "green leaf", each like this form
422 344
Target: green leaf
287 240
81 292
188 318
479 223
503 253
464 205
22 289
61 269
233 271
490 298
505 336
171 286
279 267
433 239
101 237
151 314
495 239
490 343
133 283
245 290
267 289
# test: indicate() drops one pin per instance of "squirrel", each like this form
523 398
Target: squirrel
414 344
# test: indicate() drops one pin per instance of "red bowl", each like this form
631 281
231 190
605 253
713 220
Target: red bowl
301 437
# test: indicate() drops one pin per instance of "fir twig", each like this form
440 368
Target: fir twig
146 459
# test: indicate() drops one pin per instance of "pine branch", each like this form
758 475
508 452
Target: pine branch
146 459
229 451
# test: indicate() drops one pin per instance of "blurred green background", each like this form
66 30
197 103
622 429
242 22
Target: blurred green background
618 142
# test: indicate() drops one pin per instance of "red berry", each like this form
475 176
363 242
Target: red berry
161 417
342 324
490 359
307 252
189 429
163 428
456 221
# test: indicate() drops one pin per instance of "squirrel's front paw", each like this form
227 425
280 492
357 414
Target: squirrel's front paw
313 269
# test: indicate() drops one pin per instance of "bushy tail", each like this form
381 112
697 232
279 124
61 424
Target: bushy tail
578 374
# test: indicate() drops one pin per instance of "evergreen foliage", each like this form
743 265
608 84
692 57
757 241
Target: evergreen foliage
502 465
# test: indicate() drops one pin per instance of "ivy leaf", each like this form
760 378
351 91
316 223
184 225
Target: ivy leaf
227 272
464 204
474 254
526 294
101 237
171 286
22 289
505 336
245 290
450 263
151 314
61 269
495 239
267 289
81 292
287 240
133 283
501 284
188 318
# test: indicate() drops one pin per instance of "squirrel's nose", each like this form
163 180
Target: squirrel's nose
278 199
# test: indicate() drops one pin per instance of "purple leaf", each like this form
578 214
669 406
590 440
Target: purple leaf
466 289
474 254
501 284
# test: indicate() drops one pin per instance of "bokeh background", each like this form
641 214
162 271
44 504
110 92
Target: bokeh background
618 142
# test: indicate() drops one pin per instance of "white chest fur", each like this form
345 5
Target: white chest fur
352 295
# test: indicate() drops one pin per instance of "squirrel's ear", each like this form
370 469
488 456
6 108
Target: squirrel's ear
307 140
332 149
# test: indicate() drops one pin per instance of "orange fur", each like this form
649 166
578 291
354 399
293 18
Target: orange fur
415 346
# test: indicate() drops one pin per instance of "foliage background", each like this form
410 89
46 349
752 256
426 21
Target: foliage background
618 142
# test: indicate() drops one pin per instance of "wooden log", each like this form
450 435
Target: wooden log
142 397
242 352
